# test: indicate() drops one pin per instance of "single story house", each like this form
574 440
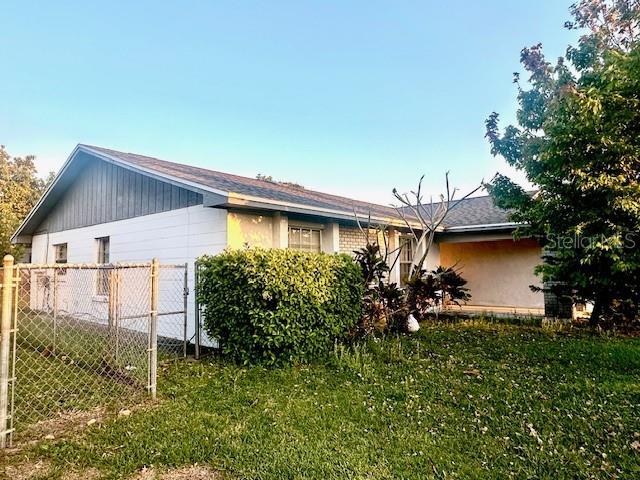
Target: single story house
110 206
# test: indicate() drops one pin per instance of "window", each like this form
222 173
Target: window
60 253
305 239
103 249
60 256
406 256
102 284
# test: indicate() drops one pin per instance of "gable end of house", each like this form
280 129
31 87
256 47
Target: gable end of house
92 191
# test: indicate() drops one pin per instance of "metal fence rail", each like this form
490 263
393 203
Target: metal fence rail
75 336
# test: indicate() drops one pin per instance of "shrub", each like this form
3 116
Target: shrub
430 291
384 306
278 306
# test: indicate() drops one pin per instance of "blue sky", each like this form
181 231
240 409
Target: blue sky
349 97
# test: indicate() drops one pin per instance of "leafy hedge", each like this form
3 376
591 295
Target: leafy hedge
278 306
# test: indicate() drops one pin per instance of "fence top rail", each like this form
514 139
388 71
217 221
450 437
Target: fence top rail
82 265
118 265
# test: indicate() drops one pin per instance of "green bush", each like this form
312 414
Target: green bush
278 306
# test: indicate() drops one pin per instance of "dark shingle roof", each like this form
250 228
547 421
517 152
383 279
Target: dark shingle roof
249 186
468 212
476 211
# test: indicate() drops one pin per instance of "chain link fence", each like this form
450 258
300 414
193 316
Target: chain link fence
81 336
173 337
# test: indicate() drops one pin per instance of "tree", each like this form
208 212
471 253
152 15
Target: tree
20 189
429 217
577 139
385 304
270 179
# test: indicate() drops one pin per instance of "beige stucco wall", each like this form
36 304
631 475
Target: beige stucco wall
499 272
249 229
271 231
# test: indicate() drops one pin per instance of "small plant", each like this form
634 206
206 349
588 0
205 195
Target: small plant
383 305
386 306
429 292
373 265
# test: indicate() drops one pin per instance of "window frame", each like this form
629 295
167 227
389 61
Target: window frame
403 241
57 247
303 228
103 258
57 258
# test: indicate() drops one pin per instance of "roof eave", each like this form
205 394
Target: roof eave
485 227
239 200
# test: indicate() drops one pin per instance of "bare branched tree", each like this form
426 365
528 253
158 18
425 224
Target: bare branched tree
424 220
386 305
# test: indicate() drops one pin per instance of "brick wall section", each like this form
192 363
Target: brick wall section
351 239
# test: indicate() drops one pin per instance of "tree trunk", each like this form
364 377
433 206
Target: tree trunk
601 308
594 319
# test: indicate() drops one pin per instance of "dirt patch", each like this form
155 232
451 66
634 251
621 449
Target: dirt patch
63 425
193 472
70 424
25 471
88 474
40 468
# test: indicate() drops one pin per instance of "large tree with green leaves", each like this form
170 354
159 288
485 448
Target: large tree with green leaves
20 189
577 139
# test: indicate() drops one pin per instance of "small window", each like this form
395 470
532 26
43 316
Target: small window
305 239
102 285
60 256
60 253
406 257
103 250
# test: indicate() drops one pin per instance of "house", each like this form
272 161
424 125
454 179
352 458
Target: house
109 206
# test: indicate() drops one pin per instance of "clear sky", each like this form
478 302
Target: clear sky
347 97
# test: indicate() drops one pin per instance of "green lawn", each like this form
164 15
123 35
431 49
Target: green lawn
458 401
75 366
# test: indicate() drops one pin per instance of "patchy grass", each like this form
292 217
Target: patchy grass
68 365
49 387
454 401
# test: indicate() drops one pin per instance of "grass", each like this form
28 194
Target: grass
453 401
77 365
73 366
50 385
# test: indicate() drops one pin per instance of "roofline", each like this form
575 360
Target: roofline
236 195
234 198
151 172
18 231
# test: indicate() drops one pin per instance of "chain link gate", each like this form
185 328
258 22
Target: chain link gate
77 336
203 344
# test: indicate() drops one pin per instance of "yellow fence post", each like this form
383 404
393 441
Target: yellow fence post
153 328
5 347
